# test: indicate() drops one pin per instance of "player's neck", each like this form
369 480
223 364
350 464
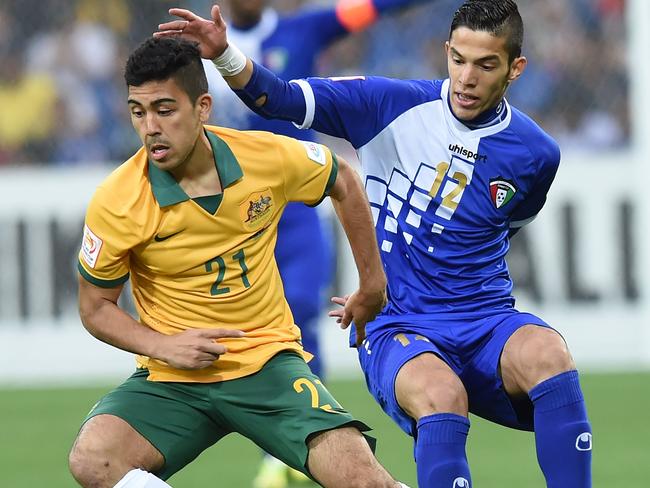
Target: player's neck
198 176
487 118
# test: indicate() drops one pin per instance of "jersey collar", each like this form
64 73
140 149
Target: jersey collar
168 192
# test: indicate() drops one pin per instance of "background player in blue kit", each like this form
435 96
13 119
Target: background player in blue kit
451 172
289 45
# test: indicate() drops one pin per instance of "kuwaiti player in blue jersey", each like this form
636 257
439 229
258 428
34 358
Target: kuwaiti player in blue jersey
451 172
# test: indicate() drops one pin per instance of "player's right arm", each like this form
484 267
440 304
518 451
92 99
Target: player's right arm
105 320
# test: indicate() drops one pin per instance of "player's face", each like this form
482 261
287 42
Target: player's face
168 123
479 71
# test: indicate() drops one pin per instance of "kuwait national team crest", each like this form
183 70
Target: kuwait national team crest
501 192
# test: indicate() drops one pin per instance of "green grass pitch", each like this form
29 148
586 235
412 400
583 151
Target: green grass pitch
38 427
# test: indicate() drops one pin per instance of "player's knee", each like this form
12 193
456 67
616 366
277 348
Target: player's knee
444 395
552 358
545 355
90 466
449 396
551 355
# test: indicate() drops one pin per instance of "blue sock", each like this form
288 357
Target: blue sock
440 451
562 432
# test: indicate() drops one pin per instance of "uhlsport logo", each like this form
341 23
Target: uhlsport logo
256 210
501 192
583 441
460 483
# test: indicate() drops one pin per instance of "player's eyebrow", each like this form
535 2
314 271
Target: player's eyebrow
155 102
488 58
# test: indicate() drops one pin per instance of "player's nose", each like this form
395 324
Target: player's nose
468 75
152 127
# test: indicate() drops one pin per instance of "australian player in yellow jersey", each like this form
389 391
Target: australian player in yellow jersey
191 220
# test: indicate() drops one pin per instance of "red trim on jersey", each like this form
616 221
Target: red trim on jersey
356 15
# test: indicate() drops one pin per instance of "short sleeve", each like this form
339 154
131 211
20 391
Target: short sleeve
309 170
104 253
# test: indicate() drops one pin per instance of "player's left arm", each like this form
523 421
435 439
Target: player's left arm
353 211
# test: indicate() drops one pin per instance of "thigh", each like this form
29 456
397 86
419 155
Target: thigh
382 357
281 408
172 417
482 376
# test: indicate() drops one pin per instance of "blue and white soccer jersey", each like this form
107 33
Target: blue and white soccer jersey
444 198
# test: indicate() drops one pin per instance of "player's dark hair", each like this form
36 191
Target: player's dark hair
164 58
500 18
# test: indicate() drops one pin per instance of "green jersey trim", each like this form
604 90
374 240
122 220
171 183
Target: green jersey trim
210 203
101 283
167 190
330 181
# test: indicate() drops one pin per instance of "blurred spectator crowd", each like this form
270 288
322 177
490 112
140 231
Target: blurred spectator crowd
62 95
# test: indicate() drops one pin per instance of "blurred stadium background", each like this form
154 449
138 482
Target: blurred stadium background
584 265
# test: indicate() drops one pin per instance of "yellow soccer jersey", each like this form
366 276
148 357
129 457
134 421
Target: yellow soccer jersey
193 269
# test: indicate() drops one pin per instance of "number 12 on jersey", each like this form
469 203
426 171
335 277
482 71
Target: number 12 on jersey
459 175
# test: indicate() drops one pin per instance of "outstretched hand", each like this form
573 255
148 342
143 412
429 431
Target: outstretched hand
210 34
360 307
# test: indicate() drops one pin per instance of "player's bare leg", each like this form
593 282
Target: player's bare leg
433 395
537 362
341 458
106 449
533 354
426 385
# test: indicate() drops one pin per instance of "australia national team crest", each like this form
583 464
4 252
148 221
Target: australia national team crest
501 192
257 209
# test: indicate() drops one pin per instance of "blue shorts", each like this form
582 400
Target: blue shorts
471 347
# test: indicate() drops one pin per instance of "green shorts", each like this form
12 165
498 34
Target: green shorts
279 408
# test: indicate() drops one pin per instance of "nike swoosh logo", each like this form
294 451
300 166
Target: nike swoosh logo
159 238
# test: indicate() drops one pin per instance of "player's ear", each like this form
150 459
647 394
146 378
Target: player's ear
204 103
517 67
